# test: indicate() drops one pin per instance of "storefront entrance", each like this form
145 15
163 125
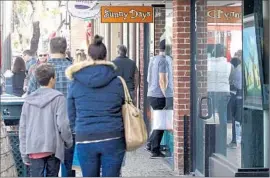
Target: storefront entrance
227 71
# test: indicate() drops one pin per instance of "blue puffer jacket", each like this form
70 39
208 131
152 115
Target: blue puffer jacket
95 100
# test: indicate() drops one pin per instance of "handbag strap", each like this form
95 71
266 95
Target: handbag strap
127 95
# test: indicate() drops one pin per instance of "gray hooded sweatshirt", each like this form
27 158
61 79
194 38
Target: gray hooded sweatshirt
44 124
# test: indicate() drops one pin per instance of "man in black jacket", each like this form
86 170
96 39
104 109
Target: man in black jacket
127 69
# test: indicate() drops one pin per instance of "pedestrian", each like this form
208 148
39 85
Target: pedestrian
160 93
32 85
127 69
95 100
29 59
19 74
58 47
234 107
218 89
44 126
80 56
57 58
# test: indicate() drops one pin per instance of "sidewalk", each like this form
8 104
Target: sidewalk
138 163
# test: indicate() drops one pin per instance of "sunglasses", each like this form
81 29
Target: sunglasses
42 55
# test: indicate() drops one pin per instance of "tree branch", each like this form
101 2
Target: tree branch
61 25
33 8
35 38
59 3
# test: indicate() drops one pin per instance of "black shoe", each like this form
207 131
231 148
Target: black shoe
157 155
147 149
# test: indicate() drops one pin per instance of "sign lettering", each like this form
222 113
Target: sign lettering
126 14
224 14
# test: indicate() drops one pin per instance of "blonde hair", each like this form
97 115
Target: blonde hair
80 56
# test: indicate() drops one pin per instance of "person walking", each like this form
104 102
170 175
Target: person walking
44 129
234 107
160 93
57 58
80 56
127 69
19 74
29 59
32 85
95 100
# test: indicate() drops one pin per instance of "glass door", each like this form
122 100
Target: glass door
217 58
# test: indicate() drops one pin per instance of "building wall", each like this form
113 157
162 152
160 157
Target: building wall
115 34
77 37
141 67
159 26
181 73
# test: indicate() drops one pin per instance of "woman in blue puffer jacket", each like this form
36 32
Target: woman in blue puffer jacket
95 100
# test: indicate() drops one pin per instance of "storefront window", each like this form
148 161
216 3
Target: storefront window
218 73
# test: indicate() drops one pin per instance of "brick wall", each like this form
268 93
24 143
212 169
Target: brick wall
159 26
202 50
181 73
141 67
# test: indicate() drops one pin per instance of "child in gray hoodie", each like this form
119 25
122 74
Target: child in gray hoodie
44 126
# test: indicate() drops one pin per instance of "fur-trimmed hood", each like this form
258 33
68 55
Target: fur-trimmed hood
91 73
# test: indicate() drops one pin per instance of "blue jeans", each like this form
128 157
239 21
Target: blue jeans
107 155
67 166
220 102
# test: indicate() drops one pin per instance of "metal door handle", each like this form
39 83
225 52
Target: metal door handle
209 107
6 112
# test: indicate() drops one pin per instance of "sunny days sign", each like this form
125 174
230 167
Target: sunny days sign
126 14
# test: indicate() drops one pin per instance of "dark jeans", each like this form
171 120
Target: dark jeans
107 155
220 102
234 108
156 136
69 153
45 167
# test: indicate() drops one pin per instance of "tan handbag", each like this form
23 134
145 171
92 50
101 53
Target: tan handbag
135 129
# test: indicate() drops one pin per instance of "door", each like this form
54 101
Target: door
216 41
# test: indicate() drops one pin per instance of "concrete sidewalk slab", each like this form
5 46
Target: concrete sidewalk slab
138 163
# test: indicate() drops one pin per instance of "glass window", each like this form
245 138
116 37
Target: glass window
219 76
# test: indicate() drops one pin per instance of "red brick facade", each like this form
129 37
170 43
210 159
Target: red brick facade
159 26
141 67
181 73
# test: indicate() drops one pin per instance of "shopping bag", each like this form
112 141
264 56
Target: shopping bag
162 120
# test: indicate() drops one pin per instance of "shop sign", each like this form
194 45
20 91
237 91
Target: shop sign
83 9
126 14
220 14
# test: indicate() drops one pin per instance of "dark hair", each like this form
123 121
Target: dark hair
122 50
58 45
19 65
235 61
44 73
97 50
28 52
162 45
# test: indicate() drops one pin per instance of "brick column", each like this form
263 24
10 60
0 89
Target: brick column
159 26
181 73
141 67
202 50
